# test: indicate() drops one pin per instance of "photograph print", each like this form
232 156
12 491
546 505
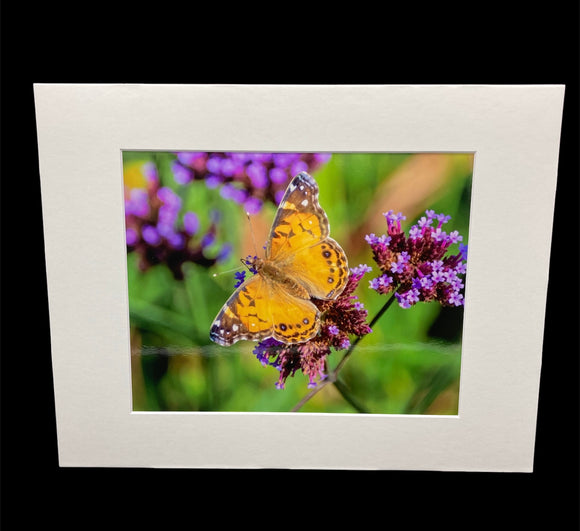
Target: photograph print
285 282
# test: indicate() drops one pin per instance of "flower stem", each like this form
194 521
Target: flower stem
332 377
344 391
357 340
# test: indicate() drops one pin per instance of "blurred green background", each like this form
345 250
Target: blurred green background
409 364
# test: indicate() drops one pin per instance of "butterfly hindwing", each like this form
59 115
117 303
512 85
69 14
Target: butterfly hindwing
259 309
322 269
294 320
245 315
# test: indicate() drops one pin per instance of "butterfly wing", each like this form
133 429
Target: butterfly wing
294 320
322 269
300 221
245 315
260 308
300 245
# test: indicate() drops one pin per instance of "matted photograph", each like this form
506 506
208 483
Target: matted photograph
297 276
315 282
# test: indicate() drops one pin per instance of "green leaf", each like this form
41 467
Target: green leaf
163 321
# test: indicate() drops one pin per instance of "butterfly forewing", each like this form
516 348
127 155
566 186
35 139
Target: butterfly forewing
300 220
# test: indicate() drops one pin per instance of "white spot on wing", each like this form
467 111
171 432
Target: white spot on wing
304 203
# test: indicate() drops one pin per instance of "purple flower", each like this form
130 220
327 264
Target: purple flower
342 317
189 157
345 342
132 237
214 164
381 284
240 277
229 191
333 330
397 267
438 235
283 160
208 239
455 237
150 172
415 232
229 167
278 175
438 276
213 181
322 158
298 166
250 260
191 223
360 270
180 173
260 176
150 235
154 231
176 240
394 221
424 222
166 218
419 268
138 203
252 205
169 197
408 298
455 299
263 351
225 252
437 265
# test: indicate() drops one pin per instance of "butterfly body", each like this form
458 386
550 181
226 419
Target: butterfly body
301 262
274 273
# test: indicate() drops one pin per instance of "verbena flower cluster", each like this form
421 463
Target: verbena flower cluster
417 267
249 179
341 317
158 233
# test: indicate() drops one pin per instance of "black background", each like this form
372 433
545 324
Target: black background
275 43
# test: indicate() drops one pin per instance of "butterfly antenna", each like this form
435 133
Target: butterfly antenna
228 271
252 233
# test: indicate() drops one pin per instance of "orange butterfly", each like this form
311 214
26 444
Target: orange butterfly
301 262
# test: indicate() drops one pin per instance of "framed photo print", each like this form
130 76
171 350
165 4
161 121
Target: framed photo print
298 276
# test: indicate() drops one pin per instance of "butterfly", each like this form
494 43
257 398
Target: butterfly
301 261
